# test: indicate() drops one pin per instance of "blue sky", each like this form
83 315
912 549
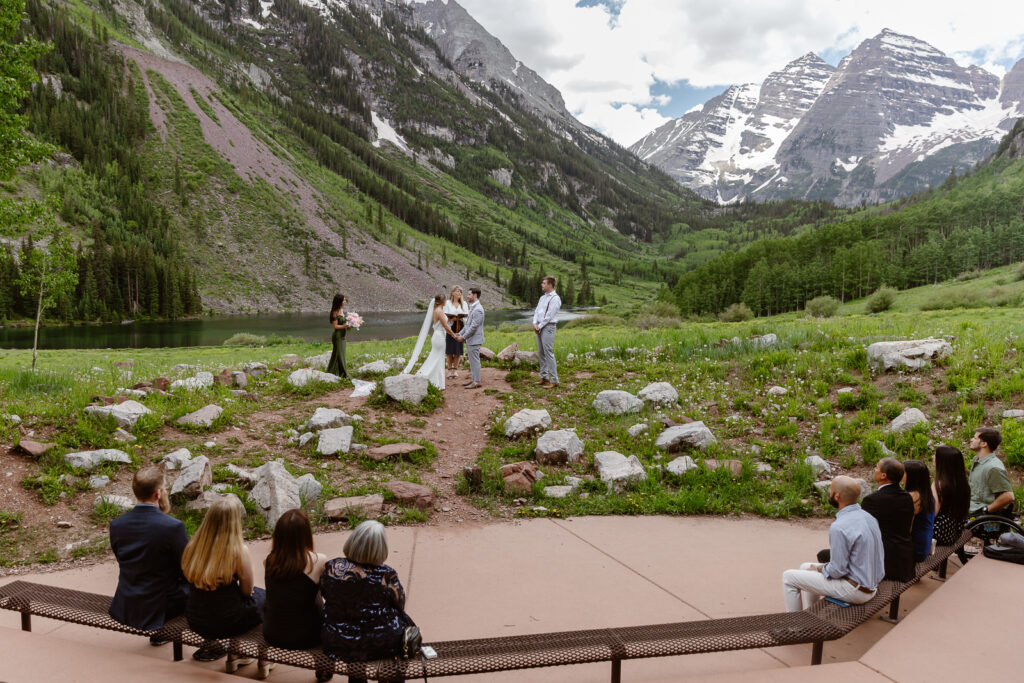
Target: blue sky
628 66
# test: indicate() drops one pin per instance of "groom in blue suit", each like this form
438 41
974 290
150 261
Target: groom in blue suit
473 335
148 545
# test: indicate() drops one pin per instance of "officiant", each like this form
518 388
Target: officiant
456 309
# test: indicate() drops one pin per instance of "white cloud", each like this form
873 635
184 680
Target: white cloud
606 63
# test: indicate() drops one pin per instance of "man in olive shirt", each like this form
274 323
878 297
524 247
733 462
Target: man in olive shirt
991 491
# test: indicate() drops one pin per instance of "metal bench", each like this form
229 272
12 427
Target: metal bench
822 622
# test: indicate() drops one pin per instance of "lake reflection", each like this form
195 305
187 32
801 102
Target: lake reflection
311 327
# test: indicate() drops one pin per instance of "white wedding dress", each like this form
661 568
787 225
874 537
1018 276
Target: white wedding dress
433 367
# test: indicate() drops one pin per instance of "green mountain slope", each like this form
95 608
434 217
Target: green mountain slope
971 222
261 157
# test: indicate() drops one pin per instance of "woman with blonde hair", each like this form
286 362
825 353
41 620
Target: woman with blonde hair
457 310
364 602
223 601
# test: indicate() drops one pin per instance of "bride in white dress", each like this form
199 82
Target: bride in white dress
434 366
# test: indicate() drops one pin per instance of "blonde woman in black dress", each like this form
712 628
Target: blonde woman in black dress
454 307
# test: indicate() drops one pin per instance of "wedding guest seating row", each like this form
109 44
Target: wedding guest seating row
822 622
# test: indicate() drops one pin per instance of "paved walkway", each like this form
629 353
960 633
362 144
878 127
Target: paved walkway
531 576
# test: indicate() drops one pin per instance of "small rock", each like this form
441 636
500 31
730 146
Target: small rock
304 376
618 470
508 354
616 402
845 390
636 430
98 481
818 465
305 438
325 418
335 440
487 354
762 467
906 421
558 447
255 370
86 460
176 459
124 437
407 493
394 450
735 467
777 391
1013 414
692 435
367 507
309 488
121 503
659 393
126 414
202 418
406 388
35 449
194 477
206 499
558 491
681 465
527 422
63 524
377 367
275 492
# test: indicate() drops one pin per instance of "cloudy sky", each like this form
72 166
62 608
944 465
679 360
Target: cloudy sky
627 66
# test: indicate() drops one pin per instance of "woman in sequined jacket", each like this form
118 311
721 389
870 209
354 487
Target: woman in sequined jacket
364 603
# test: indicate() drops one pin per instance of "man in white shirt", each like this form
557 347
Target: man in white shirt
544 324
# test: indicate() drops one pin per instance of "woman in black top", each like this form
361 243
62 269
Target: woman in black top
953 494
224 600
364 602
292 572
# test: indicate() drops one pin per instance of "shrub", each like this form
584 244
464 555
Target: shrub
881 300
595 320
822 306
245 339
736 313
661 309
1019 275
1013 442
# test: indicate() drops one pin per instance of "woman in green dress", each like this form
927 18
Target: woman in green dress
337 364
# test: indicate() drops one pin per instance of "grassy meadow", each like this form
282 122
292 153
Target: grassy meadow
723 384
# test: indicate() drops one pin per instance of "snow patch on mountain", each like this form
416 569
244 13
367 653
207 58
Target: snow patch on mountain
385 131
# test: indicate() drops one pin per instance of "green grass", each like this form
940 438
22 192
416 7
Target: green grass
723 384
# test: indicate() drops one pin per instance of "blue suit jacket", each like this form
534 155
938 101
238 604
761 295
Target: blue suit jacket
150 587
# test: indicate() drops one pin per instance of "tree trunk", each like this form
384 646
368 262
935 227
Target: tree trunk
39 316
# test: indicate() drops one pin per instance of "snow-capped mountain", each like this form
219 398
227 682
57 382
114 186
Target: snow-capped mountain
894 117
723 148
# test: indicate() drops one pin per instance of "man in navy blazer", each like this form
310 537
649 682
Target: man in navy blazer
148 545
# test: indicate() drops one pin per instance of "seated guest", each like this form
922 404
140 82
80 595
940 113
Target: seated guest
952 495
223 601
856 565
292 572
148 544
991 490
894 509
364 603
917 482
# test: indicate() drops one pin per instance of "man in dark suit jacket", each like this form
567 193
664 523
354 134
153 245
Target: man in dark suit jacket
894 509
148 545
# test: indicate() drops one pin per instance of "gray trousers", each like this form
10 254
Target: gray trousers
473 352
546 351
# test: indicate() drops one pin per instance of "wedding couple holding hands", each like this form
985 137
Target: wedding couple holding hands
448 334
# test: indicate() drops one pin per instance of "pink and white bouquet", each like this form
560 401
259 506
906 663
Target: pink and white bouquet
354 320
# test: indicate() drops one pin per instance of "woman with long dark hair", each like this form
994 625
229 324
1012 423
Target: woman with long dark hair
292 574
457 310
336 366
917 480
952 492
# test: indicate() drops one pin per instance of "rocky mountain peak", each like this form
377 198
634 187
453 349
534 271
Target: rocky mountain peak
479 56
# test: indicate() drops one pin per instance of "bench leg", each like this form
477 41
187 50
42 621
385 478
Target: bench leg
26 621
616 671
819 646
894 612
178 656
